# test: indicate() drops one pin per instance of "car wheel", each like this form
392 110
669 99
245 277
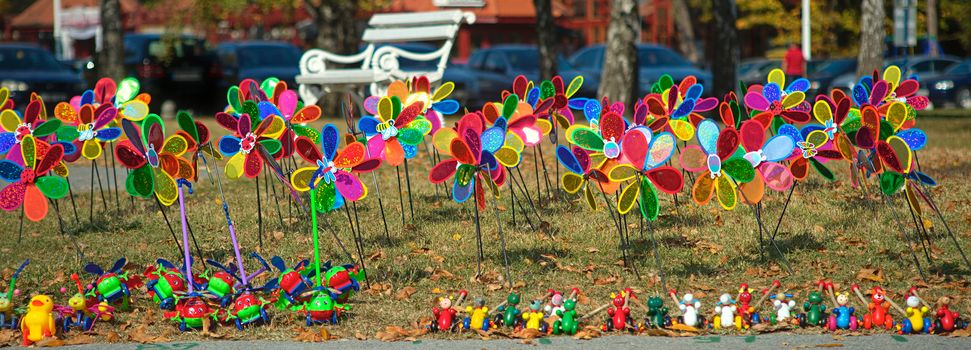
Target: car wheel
964 98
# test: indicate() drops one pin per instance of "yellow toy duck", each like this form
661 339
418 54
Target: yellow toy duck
38 323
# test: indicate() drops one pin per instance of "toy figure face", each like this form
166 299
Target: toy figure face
4 303
878 295
512 299
780 297
745 296
245 301
815 297
688 298
76 302
655 302
479 302
842 299
535 305
618 300
175 282
41 303
557 299
569 304
321 302
445 303
196 308
725 299
913 301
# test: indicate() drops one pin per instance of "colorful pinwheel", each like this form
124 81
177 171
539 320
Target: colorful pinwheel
434 105
644 156
765 155
154 168
879 91
581 172
673 108
31 184
246 145
720 166
473 159
332 176
88 127
772 101
812 147
396 133
16 128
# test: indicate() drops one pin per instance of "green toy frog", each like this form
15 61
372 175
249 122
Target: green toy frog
656 312
567 324
509 314
814 309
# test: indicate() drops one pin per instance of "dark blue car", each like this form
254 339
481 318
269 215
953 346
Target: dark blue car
174 68
258 60
654 61
952 87
25 68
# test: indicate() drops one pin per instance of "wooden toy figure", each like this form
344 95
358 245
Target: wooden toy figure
445 313
814 309
689 308
878 307
534 317
915 321
656 312
478 315
8 319
38 323
842 315
567 324
744 303
619 313
947 320
725 313
508 313
783 305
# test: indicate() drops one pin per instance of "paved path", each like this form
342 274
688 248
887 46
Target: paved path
768 342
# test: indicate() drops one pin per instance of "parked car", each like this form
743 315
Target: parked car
755 71
171 68
654 61
924 67
822 79
491 70
952 87
25 68
257 60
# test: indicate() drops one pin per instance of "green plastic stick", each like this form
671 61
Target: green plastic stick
313 221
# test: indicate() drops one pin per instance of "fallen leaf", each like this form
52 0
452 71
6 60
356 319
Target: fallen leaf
868 274
587 333
140 335
405 293
593 250
604 281
80 339
438 259
112 337
960 333
277 235
492 287
684 328
829 345
50 343
376 256
360 336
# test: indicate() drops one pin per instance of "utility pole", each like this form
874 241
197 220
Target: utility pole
806 42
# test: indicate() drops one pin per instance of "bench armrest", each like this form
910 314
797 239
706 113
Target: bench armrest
385 59
315 60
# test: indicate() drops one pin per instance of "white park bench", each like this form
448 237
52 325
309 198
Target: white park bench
379 60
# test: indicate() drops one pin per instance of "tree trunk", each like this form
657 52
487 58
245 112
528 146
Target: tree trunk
335 22
112 54
872 32
724 57
546 39
932 26
619 80
685 31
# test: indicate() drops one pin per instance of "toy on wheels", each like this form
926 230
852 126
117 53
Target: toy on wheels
8 318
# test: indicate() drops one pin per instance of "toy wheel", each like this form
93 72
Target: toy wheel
831 323
960 324
927 325
310 321
182 326
124 290
239 324
66 324
88 324
266 319
13 322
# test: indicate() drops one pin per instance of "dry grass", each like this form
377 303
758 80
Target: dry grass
831 230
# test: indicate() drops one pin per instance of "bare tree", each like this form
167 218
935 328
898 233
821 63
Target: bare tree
546 38
872 32
685 30
334 20
111 57
619 80
724 56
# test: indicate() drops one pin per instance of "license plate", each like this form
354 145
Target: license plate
187 75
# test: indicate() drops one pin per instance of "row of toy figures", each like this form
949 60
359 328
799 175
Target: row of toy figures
556 314
218 297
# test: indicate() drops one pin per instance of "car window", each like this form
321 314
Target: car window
660 57
165 49
477 59
494 62
923 67
28 59
941 65
268 56
588 58
963 68
525 60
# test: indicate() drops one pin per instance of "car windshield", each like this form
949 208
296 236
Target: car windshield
836 67
27 59
165 49
268 56
963 68
525 60
660 57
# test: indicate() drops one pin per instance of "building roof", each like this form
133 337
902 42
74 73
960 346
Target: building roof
493 10
41 13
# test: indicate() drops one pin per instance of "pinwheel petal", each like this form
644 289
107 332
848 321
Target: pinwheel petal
635 145
776 176
622 172
300 178
394 153
708 135
140 182
53 187
175 145
739 169
12 196
134 110
779 147
350 156
756 101
725 190
10 171
628 196
349 186
35 205
703 189
668 179
752 191
507 156
461 151
585 138
252 165
569 161
694 159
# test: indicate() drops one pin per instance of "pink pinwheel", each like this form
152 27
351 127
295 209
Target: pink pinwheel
31 184
332 176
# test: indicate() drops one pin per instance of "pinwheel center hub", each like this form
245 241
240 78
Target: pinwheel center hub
389 130
327 170
22 130
714 165
28 175
808 149
86 132
248 143
152 156
611 149
776 107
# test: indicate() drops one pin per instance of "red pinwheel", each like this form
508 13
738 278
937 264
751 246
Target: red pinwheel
244 146
31 184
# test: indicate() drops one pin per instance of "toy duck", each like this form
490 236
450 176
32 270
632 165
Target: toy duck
689 308
38 323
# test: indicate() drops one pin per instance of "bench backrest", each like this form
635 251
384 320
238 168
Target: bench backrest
415 27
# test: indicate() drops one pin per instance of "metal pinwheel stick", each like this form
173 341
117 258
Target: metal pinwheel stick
925 194
225 206
348 112
758 219
617 225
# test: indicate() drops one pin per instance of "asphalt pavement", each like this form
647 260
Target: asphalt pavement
773 341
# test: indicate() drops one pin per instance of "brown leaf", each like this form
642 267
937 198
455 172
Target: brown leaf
405 293
360 336
438 259
829 345
960 333
587 333
492 287
376 256
140 335
593 250
868 274
527 333
519 285
79 340
50 343
684 328
277 235
112 337
8 336
604 281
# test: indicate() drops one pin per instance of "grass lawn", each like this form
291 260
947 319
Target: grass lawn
831 231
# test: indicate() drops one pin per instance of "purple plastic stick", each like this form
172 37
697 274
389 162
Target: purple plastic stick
185 239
